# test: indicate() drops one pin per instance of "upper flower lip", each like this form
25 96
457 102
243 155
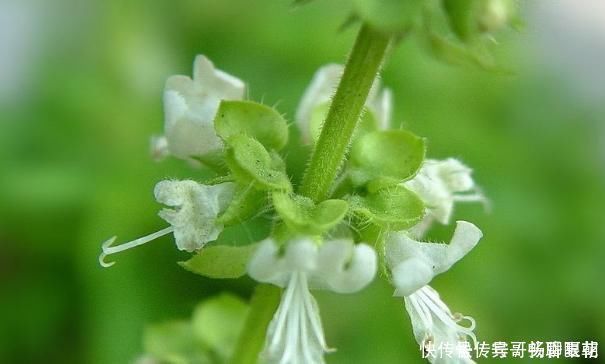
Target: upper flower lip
440 183
190 105
337 265
414 263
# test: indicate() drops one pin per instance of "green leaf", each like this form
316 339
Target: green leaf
246 203
462 16
395 208
218 322
174 343
389 15
249 162
389 156
452 52
302 215
220 261
252 119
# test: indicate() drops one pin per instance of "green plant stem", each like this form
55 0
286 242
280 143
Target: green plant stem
361 70
359 74
262 307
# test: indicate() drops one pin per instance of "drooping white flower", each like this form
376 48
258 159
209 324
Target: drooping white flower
322 88
436 328
295 334
192 215
413 263
441 183
190 105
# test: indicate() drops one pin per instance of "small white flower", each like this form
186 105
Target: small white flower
295 334
322 88
190 106
434 325
440 183
192 216
413 264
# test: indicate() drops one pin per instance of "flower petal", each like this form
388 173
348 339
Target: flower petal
414 263
346 267
196 210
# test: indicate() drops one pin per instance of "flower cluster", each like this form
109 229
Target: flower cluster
386 197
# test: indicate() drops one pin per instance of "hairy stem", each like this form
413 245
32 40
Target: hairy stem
262 307
361 70
330 150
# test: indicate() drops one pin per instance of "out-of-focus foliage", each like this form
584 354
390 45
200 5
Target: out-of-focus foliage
209 337
75 169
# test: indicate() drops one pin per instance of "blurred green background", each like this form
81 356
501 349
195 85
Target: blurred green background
81 95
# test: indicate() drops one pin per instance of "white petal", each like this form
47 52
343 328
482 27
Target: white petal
190 106
295 334
382 106
197 207
455 175
439 183
266 265
414 263
158 146
301 255
345 267
434 325
217 82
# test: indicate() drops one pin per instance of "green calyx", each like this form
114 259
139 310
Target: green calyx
384 158
254 120
392 208
251 163
303 216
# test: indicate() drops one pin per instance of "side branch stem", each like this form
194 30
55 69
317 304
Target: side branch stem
262 307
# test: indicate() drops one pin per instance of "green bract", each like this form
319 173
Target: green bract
389 15
252 119
462 17
220 261
386 157
246 203
250 162
303 216
174 343
218 323
395 208
209 337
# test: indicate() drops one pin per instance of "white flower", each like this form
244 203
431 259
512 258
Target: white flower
435 326
192 216
295 334
440 183
413 264
190 106
322 88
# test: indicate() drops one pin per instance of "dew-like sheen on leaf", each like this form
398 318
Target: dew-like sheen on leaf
396 208
394 155
250 162
302 215
255 120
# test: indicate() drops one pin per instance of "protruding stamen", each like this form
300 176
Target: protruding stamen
108 249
